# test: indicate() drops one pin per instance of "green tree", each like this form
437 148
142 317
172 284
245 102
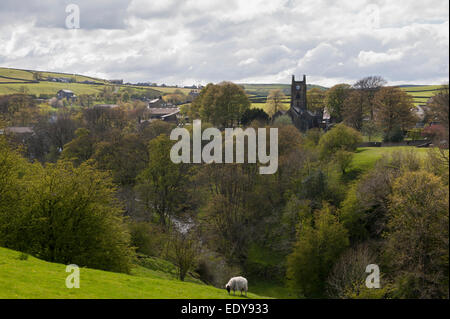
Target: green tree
80 149
394 111
417 235
316 100
161 184
335 98
340 137
68 215
221 104
319 244
355 109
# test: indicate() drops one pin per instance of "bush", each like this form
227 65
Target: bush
320 242
66 215
340 137
394 135
282 120
149 239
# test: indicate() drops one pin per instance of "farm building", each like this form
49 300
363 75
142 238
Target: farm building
159 102
68 94
168 114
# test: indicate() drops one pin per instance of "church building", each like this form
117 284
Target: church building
302 118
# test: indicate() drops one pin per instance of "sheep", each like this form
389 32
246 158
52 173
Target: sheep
237 283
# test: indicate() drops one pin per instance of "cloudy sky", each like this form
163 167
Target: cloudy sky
201 41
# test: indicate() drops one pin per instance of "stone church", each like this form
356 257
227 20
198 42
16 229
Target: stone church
302 118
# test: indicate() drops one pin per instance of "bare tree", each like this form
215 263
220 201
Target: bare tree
370 85
349 271
275 101
184 252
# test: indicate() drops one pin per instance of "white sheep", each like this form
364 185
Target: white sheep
237 283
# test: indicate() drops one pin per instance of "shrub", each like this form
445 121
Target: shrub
66 215
340 137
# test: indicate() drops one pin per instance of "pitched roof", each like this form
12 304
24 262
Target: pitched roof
163 110
19 129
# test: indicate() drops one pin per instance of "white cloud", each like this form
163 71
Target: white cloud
366 58
252 40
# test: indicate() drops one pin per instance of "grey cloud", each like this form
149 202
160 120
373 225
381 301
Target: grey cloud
177 41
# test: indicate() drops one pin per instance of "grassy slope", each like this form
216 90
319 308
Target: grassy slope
366 157
34 278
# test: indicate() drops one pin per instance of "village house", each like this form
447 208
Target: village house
159 102
68 94
167 114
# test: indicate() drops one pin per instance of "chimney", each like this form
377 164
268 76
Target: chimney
304 78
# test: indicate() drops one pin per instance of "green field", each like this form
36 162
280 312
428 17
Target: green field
48 87
34 278
366 157
422 93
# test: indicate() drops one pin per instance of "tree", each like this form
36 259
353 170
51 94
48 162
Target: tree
340 137
335 98
349 271
125 156
439 107
160 184
370 85
319 244
316 100
221 104
394 111
355 109
67 215
370 128
417 235
275 101
184 251
343 159
254 114
80 149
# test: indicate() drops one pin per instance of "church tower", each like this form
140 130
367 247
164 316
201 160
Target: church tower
298 94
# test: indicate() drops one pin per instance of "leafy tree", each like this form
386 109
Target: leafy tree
316 100
370 129
81 148
417 235
68 215
343 159
282 120
355 109
160 184
335 99
438 109
319 244
255 114
394 111
125 156
221 104
340 137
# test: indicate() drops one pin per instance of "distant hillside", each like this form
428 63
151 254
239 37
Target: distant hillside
421 93
18 80
264 89
34 278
